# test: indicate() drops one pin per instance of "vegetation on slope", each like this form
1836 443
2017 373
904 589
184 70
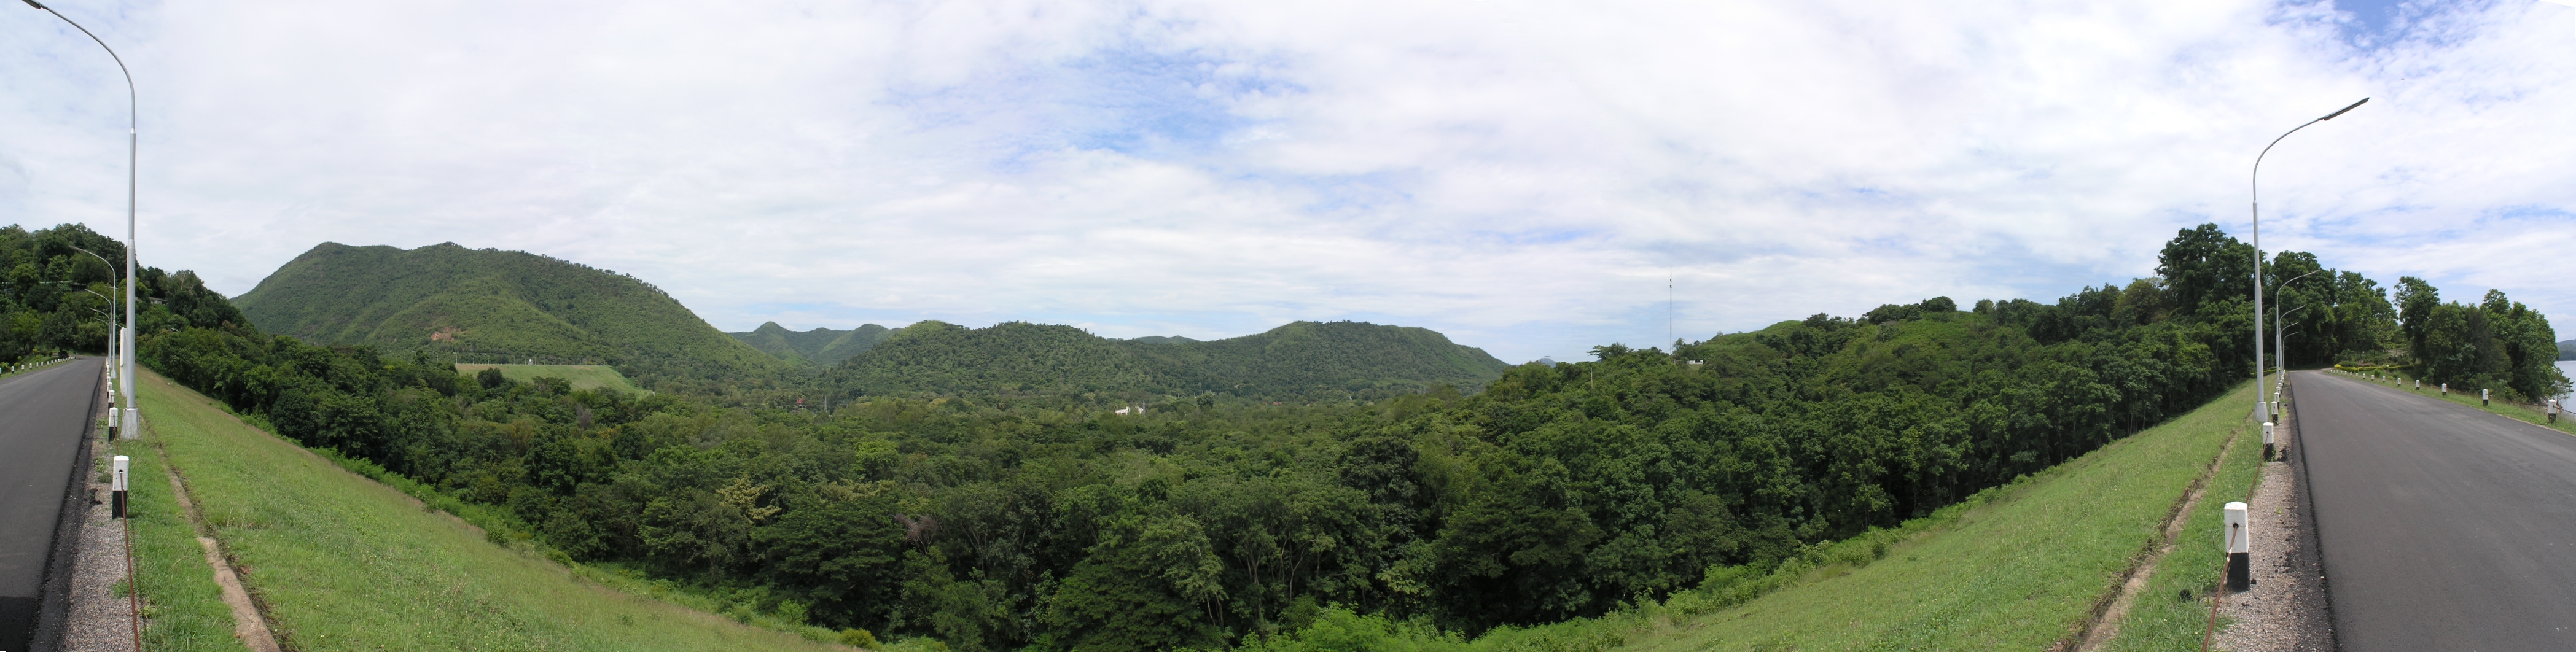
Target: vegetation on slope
341 563
997 504
572 376
54 298
821 347
490 306
2014 567
1336 361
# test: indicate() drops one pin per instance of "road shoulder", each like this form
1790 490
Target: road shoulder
2286 609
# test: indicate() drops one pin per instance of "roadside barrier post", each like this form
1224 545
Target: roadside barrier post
119 464
2482 398
2267 440
2446 389
2552 408
111 420
2240 550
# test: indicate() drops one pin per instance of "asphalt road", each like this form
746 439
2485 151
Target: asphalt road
2442 527
42 416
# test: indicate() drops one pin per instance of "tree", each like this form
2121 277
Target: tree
2416 300
2203 265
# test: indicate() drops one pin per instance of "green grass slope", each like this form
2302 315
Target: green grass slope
342 563
821 347
2019 572
2018 567
493 306
1299 359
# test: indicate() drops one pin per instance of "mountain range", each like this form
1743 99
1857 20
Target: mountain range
493 306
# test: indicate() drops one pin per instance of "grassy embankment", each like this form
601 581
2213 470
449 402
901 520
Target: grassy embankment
343 563
183 608
2160 619
2525 413
583 376
2017 573
2018 567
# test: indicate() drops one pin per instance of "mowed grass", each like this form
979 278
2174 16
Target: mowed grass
2019 572
583 376
2162 619
343 563
183 608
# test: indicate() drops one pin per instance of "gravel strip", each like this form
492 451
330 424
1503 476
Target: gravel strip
101 617
2286 609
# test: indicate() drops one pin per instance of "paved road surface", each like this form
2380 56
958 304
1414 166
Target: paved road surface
42 414
2442 527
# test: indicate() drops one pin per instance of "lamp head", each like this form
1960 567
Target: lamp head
32 3
2329 116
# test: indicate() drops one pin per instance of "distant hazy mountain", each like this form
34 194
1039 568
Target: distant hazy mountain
487 305
1311 359
2567 350
822 347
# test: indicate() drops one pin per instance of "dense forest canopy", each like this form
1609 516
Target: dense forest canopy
1009 507
58 298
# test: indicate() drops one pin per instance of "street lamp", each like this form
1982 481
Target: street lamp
2255 180
2280 345
112 337
133 113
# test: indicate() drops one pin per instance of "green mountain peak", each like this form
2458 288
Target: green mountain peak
493 306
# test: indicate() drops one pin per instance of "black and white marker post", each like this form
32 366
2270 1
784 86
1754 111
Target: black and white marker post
111 419
2552 409
2240 551
119 464
2267 441
2482 398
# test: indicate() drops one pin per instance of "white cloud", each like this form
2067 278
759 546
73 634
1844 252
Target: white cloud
1521 175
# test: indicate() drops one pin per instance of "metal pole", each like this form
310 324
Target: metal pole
113 338
2254 181
133 117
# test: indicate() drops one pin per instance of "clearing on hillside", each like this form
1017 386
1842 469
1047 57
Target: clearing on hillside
583 376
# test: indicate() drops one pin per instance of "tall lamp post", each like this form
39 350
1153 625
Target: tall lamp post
2255 180
112 337
133 116
2280 342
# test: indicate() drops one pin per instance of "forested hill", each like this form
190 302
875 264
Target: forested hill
820 347
59 280
1303 359
487 305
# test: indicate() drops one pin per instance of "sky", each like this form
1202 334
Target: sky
1531 178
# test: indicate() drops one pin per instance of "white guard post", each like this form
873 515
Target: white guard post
112 412
2240 550
119 464
2267 440
2482 397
